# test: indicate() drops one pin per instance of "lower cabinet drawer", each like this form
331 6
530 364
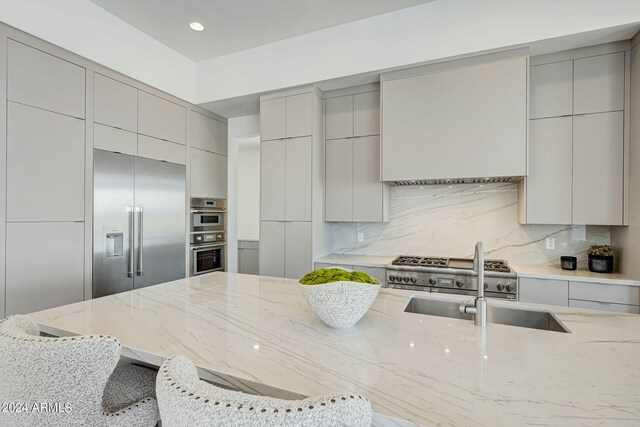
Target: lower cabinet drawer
605 306
618 294
327 265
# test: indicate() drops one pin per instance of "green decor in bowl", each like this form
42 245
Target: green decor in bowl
339 297
600 258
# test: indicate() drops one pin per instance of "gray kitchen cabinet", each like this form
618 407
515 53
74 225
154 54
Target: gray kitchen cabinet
291 183
45 165
599 84
299 115
248 257
219 131
339 117
272 180
466 122
218 170
298 158
551 90
200 175
549 184
605 306
158 149
369 198
543 291
339 201
115 103
378 273
51 279
298 254
200 131
161 119
352 115
272 119
208 134
366 113
45 81
598 164
605 293
353 188
272 248
113 139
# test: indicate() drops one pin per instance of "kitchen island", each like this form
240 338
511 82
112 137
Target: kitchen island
258 334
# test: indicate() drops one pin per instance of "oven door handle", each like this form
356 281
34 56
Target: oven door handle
211 211
195 248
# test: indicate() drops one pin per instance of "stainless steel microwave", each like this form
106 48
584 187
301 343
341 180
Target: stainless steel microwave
205 220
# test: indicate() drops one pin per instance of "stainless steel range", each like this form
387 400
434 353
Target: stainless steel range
451 275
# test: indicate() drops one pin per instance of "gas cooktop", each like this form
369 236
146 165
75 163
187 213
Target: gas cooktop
496 266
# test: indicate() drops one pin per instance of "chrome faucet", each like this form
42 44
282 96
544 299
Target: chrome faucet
479 306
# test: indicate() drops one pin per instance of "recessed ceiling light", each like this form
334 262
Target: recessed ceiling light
196 26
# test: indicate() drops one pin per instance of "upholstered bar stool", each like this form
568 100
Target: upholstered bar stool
185 400
70 381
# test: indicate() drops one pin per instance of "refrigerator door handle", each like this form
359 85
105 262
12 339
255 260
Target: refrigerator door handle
131 242
139 271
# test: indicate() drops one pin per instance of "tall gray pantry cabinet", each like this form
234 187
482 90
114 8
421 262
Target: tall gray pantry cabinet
292 231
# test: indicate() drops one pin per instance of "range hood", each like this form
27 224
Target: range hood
451 181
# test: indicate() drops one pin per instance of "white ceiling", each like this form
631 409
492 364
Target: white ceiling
234 25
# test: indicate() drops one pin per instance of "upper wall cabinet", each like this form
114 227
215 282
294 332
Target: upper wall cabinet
41 80
200 131
598 153
114 103
208 134
286 117
599 84
352 115
353 189
468 122
550 181
161 119
576 143
45 165
551 90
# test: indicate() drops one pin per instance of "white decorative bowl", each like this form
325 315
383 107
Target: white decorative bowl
340 304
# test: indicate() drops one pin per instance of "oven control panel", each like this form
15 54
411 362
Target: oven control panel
199 238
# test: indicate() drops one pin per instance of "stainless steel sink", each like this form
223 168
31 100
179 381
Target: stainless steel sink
503 315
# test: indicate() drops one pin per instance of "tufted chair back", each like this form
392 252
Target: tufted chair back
55 381
185 400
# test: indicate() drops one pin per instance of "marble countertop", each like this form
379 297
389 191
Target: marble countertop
556 273
363 260
258 333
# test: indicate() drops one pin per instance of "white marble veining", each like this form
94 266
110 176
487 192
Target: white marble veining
580 275
447 221
258 333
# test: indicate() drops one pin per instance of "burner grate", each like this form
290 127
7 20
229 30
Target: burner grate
416 261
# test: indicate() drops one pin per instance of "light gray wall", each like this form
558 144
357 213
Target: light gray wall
626 240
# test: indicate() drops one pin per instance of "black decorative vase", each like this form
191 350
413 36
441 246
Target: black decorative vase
601 264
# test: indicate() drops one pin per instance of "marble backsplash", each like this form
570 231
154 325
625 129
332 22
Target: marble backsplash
448 220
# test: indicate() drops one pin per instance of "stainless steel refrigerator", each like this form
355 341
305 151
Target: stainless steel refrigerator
139 236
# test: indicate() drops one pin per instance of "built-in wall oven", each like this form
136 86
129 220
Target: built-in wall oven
208 235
